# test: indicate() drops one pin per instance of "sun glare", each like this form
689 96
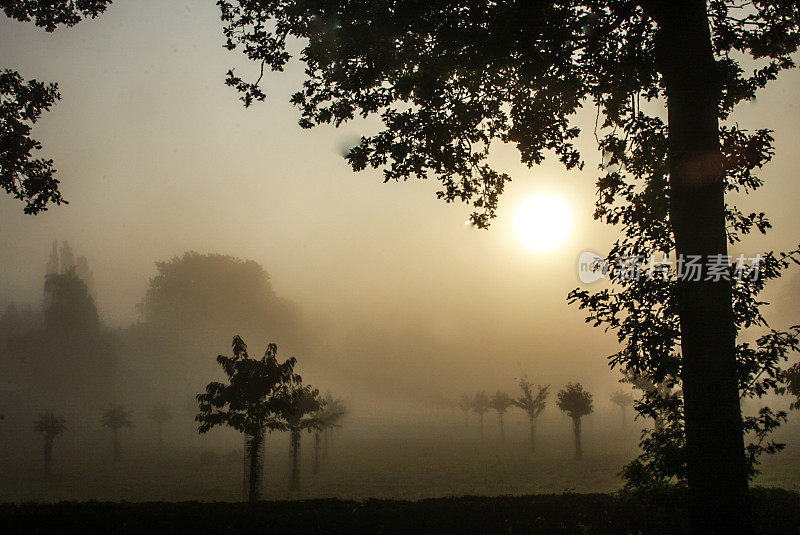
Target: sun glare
543 222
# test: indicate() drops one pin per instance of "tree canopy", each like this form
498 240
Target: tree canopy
22 102
448 79
252 400
575 401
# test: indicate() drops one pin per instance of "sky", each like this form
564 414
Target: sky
157 156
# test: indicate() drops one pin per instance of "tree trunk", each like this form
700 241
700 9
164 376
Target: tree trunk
325 444
716 463
533 432
502 430
317 438
480 416
48 456
576 431
115 438
254 443
295 438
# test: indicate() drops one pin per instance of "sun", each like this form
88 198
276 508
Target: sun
543 222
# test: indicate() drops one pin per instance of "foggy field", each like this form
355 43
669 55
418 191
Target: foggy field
437 457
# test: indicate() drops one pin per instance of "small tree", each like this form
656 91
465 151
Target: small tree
160 414
480 404
300 407
249 402
50 426
501 402
623 400
464 403
577 403
329 416
532 404
115 418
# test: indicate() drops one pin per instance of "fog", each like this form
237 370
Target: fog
380 291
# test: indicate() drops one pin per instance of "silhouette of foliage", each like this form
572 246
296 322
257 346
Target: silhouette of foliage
22 103
791 385
331 413
251 402
577 403
300 408
202 295
448 80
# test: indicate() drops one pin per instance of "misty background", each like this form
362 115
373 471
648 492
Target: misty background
381 292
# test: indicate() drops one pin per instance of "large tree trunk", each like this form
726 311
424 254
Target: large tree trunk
576 432
480 416
714 443
295 438
48 456
253 443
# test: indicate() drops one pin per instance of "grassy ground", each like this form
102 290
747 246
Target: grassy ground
775 511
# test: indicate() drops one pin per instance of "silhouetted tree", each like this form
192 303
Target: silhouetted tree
330 415
200 295
577 403
449 78
791 384
67 340
501 402
465 405
623 400
250 402
532 404
50 426
480 405
300 407
160 414
32 180
116 417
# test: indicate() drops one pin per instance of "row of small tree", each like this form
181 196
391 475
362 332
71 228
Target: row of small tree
265 395
117 417
572 399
